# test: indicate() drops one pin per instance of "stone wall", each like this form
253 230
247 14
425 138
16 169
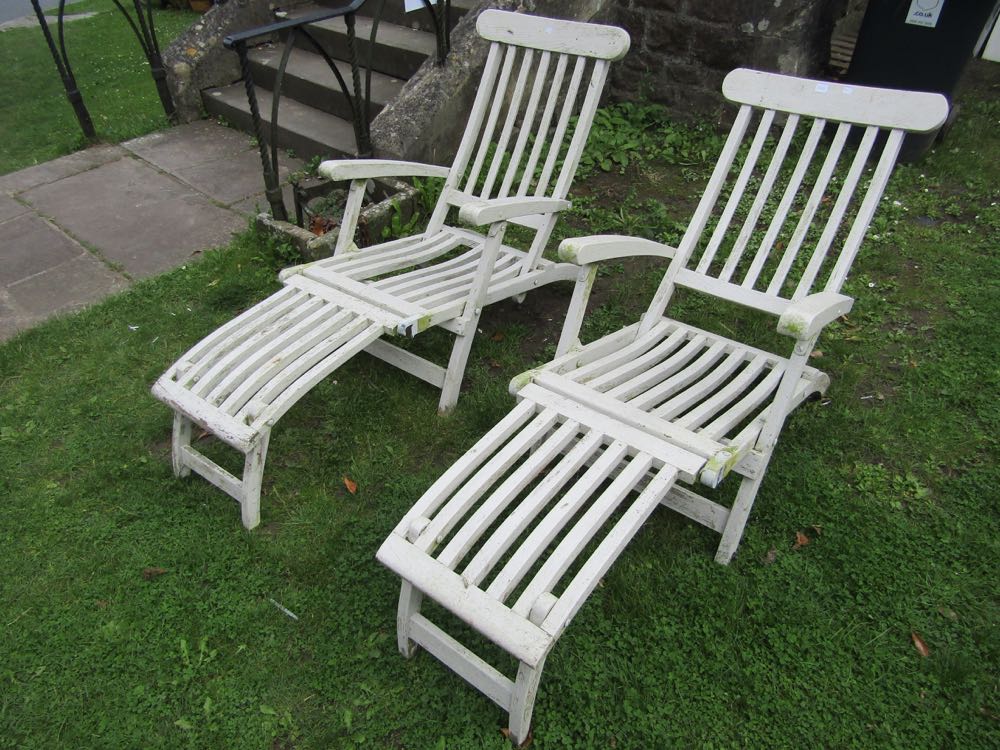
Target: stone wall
682 49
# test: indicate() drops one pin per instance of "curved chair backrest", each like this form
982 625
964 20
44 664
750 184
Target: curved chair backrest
783 216
536 101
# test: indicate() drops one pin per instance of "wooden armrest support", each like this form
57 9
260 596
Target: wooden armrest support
806 317
598 247
480 213
366 169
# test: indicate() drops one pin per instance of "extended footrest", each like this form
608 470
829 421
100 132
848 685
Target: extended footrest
237 382
514 537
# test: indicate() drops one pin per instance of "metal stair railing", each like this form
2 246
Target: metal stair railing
145 31
358 99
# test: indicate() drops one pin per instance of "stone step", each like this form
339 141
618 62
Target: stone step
305 130
392 12
309 80
399 51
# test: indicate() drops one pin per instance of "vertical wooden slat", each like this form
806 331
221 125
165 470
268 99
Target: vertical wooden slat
787 199
736 195
541 135
760 200
805 220
582 130
496 105
526 125
868 206
513 110
555 145
837 214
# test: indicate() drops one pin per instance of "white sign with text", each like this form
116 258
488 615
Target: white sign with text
924 12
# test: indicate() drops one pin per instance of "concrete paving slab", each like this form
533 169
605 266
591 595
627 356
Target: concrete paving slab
57 169
69 286
257 203
9 208
27 22
11 321
233 179
190 145
144 220
30 245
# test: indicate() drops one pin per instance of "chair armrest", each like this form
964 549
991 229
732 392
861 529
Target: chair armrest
598 247
806 317
480 213
366 169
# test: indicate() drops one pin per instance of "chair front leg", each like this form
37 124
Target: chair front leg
570 336
181 439
253 479
410 599
470 317
522 702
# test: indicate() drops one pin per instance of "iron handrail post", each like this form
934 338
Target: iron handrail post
272 186
359 108
61 60
145 31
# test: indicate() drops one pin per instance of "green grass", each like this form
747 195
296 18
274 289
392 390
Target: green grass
894 480
37 122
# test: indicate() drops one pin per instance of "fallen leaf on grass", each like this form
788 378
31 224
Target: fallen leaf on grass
801 540
351 485
527 740
816 354
498 336
495 365
320 225
948 612
770 557
150 573
919 644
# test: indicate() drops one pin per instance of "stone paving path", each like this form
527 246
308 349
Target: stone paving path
84 226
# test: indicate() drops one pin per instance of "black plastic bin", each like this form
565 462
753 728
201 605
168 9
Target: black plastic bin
894 52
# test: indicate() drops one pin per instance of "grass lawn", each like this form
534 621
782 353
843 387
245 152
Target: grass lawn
136 611
37 122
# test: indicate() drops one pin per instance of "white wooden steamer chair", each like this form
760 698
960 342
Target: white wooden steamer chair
516 534
540 87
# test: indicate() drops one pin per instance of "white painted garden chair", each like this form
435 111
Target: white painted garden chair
529 123
516 534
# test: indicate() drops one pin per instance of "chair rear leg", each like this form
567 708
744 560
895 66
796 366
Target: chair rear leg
181 439
523 700
253 478
737 520
410 599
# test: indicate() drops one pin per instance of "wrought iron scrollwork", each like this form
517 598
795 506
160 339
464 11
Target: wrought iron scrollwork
145 31
61 59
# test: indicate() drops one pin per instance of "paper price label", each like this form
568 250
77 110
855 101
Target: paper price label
924 13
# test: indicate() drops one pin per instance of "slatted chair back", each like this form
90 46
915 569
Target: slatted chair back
783 216
536 101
